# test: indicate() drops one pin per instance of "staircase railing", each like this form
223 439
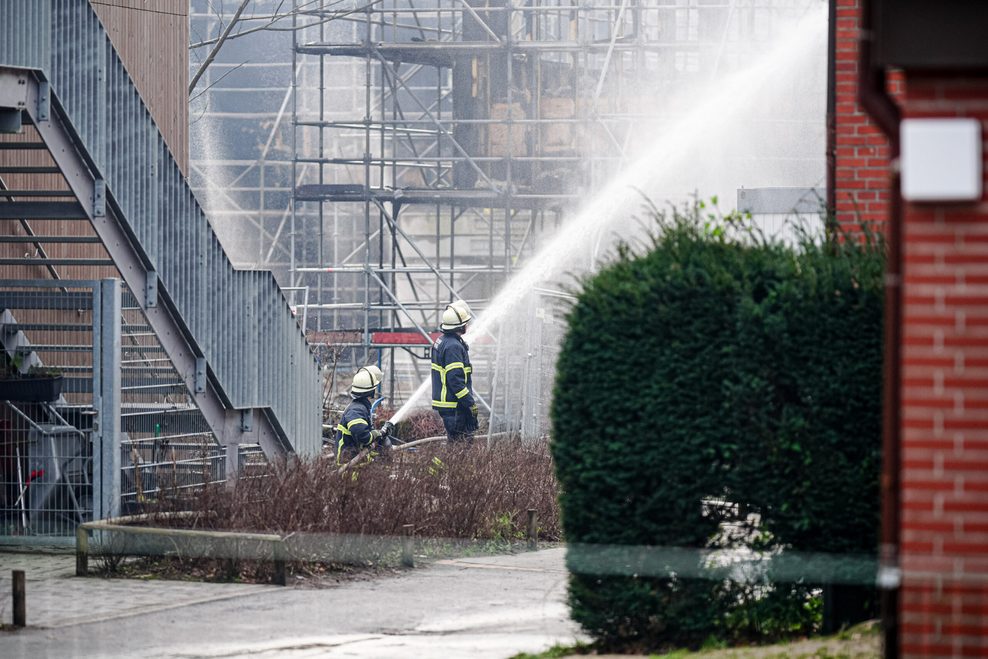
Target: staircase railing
255 354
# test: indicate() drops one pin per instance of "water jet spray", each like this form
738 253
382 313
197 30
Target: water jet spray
658 164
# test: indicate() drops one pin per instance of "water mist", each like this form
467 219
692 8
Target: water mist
677 161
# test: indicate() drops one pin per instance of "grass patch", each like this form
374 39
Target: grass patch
558 652
859 642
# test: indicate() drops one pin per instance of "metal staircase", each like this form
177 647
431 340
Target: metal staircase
98 173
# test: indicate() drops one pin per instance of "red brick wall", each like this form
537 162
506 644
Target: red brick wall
861 154
944 433
945 401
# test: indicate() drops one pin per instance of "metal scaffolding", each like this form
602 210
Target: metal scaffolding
435 143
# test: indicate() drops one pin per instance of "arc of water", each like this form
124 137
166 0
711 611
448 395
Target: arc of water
611 203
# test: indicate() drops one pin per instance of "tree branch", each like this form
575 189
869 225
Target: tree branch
216 48
278 17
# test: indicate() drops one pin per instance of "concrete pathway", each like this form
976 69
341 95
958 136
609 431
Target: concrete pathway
471 607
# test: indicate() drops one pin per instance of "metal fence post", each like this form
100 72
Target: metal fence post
280 571
81 551
20 596
408 545
533 531
106 467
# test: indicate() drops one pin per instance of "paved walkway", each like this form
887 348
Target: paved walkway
472 607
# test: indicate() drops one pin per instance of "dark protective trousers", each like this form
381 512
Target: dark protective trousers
460 424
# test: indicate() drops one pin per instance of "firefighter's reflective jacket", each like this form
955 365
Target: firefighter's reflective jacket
452 382
354 429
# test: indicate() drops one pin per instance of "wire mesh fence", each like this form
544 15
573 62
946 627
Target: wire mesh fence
95 420
47 417
47 471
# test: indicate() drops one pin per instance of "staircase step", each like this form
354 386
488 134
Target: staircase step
17 146
142 349
152 387
64 262
47 327
29 170
36 193
42 210
49 239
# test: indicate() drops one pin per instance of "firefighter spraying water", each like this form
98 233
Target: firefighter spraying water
452 375
354 432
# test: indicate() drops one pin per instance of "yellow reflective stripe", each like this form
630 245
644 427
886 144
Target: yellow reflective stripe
342 429
339 449
442 379
450 367
350 425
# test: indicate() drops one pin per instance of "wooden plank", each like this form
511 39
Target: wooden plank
152 40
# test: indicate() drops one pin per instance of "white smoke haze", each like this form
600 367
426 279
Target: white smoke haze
755 121
763 125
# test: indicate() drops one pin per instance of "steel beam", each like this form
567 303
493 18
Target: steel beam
424 196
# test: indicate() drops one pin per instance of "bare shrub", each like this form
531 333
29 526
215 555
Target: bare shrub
471 493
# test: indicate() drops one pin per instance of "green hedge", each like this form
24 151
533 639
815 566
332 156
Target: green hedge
717 369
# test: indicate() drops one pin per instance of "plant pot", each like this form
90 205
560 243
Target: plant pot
31 390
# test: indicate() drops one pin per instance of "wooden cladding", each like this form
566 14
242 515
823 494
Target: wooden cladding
152 39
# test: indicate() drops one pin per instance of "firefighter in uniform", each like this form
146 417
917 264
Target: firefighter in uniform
354 431
452 379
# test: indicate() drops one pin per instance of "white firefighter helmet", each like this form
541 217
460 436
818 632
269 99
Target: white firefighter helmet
457 314
366 380
376 372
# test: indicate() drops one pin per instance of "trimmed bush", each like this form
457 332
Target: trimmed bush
708 379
